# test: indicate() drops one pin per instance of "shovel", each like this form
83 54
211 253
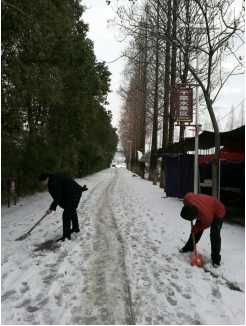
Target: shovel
29 232
196 260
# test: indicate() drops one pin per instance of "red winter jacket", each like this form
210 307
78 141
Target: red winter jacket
208 207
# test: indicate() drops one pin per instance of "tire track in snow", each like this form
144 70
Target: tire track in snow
107 297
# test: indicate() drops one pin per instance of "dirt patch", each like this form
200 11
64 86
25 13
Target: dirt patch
49 245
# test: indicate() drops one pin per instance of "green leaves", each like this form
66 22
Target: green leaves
53 92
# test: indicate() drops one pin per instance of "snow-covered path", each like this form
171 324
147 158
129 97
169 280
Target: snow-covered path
107 298
123 267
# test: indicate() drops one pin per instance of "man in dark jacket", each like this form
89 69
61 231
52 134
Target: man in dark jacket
66 193
208 212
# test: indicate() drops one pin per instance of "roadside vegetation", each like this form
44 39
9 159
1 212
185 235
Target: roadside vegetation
54 93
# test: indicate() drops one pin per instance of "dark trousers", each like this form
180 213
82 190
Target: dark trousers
214 238
70 214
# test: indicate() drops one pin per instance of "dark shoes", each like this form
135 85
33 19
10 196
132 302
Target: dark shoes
216 264
74 230
69 238
183 250
63 239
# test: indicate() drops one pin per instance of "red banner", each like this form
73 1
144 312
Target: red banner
183 104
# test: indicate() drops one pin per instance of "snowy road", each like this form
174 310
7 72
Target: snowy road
123 267
107 298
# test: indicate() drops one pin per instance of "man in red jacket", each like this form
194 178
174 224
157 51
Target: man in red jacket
208 212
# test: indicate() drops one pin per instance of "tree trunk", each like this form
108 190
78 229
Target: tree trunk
153 156
215 163
166 102
173 75
144 108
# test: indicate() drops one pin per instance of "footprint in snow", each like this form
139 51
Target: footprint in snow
172 301
25 287
8 295
168 258
155 249
188 273
216 292
186 295
174 276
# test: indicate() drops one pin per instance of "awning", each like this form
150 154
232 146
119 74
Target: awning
207 140
233 151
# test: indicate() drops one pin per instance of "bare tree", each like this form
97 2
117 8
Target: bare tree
153 157
143 95
209 30
231 121
213 29
241 116
166 98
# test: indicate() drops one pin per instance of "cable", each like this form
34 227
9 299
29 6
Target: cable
228 113
232 110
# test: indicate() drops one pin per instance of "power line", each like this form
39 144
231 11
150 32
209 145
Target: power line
228 113
232 110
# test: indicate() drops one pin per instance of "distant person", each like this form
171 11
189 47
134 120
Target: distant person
208 212
66 193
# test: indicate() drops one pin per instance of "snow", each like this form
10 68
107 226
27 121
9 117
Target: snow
124 266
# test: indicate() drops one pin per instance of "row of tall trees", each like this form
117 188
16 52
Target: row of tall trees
165 39
53 94
233 120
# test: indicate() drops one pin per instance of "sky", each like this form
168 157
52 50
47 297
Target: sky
108 49
123 267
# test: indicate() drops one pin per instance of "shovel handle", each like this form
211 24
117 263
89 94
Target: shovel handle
193 238
26 235
37 223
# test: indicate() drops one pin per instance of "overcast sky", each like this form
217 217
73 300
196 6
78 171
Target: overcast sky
108 49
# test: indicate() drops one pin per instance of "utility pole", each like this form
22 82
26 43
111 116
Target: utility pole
196 132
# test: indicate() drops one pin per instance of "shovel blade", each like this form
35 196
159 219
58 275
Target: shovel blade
23 237
196 260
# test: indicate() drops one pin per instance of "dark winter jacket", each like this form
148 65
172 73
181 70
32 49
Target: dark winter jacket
208 207
63 190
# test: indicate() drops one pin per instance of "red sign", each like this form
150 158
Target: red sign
184 104
12 187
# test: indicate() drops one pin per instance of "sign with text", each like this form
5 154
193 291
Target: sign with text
12 191
183 104
12 187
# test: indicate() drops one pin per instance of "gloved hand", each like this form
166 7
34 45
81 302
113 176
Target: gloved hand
84 188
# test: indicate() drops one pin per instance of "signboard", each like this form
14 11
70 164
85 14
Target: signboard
12 190
183 104
12 187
